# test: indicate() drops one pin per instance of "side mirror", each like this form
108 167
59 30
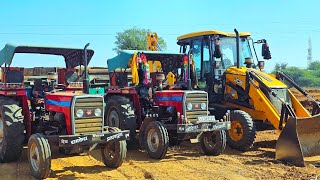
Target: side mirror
265 51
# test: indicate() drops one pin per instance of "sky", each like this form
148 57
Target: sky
287 25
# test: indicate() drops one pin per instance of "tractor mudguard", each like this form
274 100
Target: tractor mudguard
300 138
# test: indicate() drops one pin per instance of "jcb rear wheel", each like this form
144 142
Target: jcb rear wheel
243 132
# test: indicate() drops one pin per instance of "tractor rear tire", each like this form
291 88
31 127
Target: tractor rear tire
156 140
39 156
243 132
213 143
11 130
119 113
114 153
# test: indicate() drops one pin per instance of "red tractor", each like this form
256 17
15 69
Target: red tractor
162 108
45 114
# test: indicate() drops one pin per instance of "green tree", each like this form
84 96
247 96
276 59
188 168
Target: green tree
315 65
134 39
279 67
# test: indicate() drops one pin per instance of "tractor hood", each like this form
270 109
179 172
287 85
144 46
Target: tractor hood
73 57
268 79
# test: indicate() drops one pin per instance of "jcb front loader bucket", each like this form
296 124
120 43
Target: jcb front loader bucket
299 138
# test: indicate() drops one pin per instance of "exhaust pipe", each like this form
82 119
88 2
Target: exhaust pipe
85 80
237 47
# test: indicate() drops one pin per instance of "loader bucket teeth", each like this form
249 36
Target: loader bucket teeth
300 138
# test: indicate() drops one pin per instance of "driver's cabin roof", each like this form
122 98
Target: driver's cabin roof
73 57
210 32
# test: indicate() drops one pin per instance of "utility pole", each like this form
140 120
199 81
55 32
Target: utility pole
309 52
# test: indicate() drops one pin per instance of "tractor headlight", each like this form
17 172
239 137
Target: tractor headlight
79 113
189 106
203 106
97 112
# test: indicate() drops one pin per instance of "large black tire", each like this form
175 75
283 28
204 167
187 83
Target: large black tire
39 156
156 140
243 132
12 130
119 113
114 153
213 143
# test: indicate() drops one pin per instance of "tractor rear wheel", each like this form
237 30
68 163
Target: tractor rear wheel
11 130
39 156
114 153
119 113
156 140
243 132
213 143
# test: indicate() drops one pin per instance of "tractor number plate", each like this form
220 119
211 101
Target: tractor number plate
203 119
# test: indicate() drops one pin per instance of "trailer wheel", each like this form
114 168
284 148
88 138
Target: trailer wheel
156 140
119 113
11 130
114 153
213 143
243 132
39 156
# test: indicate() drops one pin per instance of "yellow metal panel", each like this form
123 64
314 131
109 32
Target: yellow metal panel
241 34
201 33
299 109
155 66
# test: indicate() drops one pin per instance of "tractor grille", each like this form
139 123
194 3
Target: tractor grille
89 123
196 99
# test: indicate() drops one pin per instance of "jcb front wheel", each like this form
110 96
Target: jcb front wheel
243 132
213 143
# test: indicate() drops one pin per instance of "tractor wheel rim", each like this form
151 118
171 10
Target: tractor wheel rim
110 151
113 118
209 141
153 140
236 131
1 130
34 157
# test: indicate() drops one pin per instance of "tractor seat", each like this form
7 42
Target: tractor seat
71 76
14 76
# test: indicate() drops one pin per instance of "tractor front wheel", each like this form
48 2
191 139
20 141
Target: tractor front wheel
243 132
114 153
39 156
156 140
213 143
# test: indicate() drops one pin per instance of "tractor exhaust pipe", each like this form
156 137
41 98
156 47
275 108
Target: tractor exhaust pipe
85 80
237 47
189 70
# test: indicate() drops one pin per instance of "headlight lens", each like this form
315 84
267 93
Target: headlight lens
79 113
189 106
97 112
203 105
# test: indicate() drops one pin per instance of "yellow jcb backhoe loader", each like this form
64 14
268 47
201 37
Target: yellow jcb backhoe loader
226 70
